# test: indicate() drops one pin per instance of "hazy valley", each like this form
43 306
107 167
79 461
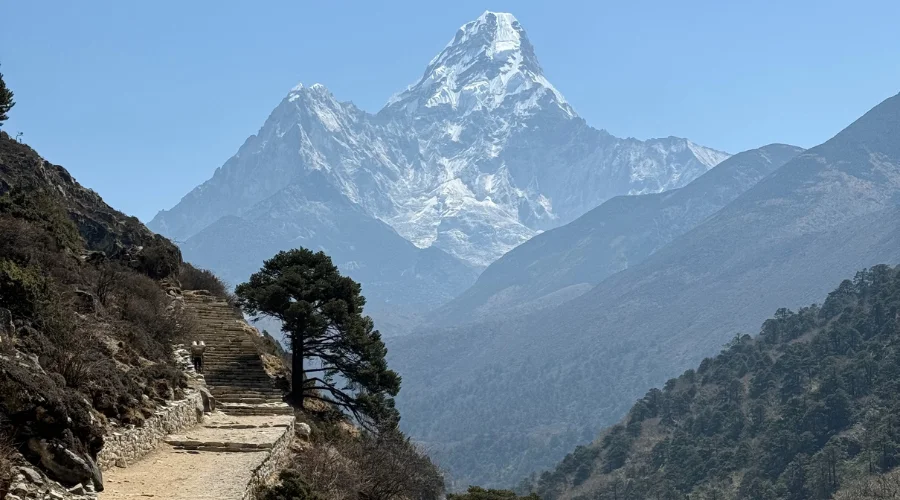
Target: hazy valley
469 292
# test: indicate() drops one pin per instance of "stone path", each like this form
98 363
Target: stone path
232 367
215 460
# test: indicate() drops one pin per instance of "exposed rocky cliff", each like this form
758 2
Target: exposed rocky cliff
477 156
85 327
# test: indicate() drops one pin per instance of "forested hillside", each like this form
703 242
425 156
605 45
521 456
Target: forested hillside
564 262
538 384
809 408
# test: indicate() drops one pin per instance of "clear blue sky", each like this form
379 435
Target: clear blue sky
142 101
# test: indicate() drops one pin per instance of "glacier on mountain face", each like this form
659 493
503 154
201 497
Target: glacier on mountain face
477 156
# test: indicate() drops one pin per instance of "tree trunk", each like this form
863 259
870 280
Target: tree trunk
295 398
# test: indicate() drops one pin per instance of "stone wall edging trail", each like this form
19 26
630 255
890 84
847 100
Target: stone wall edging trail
278 458
125 447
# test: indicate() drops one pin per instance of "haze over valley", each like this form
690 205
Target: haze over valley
471 291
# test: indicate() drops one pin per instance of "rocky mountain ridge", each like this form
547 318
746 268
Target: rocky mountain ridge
564 262
474 158
556 376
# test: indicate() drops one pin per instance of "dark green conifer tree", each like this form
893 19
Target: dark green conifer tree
6 100
338 356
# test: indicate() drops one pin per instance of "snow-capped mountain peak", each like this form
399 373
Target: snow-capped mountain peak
500 30
316 89
489 60
477 156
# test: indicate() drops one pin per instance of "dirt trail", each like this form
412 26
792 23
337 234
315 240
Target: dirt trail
180 469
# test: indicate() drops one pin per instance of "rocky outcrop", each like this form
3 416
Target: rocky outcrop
30 483
209 401
67 467
58 428
102 229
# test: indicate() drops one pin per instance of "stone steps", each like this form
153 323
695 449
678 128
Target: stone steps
243 426
257 410
231 352
244 384
213 376
220 447
236 365
248 382
248 393
258 393
232 366
248 401
223 375
225 360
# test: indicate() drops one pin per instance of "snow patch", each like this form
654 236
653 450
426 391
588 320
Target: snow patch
464 159
488 61
707 156
453 130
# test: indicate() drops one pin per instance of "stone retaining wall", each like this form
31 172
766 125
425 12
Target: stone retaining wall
123 447
266 472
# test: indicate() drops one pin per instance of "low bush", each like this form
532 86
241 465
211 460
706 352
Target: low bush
291 487
23 242
478 493
104 279
384 466
159 259
37 207
193 278
149 327
22 288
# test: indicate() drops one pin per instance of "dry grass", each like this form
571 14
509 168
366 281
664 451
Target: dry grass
343 466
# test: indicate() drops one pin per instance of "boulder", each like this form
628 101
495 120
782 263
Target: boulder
303 430
209 402
31 474
85 302
66 466
94 257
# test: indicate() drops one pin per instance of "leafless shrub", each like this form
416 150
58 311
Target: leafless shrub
326 470
193 278
150 329
382 466
106 279
392 467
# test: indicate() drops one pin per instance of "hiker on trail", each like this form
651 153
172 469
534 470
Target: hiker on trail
197 355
